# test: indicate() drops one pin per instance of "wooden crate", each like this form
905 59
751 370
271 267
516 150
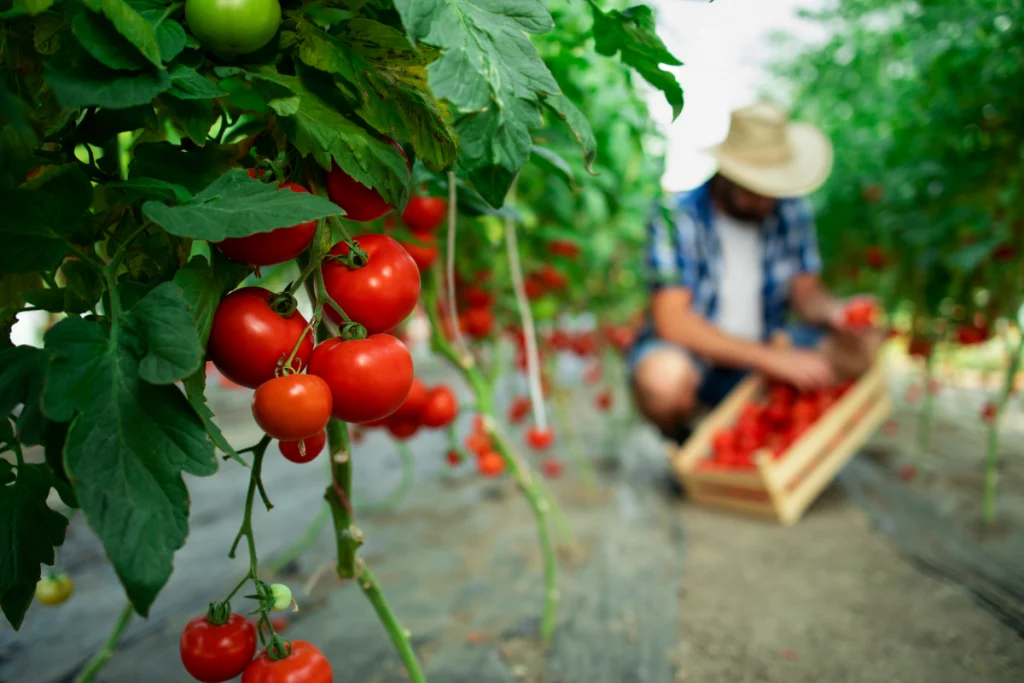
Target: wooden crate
783 488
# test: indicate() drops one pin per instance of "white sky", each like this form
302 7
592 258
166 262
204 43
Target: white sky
723 45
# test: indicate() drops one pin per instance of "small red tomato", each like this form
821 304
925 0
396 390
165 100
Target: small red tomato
724 441
908 472
402 429
804 410
248 339
424 214
859 313
477 297
875 257
311 447
478 424
270 248
563 248
292 407
552 278
357 435
919 347
490 464
1004 252
781 394
519 409
378 295
214 653
280 624
369 378
988 412
453 457
604 401
552 468
539 439
478 444
414 403
305 664
533 287
478 322
423 251
361 203
441 407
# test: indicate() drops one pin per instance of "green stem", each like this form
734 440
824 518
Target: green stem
250 497
399 636
103 656
988 499
347 535
308 539
85 258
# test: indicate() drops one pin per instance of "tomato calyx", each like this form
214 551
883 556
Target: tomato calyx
283 303
278 648
355 257
218 613
353 331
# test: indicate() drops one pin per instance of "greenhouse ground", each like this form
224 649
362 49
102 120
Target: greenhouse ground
866 588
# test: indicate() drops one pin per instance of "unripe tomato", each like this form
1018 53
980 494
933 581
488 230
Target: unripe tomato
490 464
305 664
544 308
54 590
440 408
248 339
378 295
424 214
292 407
233 27
369 378
282 595
311 447
361 203
215 653
270 248
539 439
423 254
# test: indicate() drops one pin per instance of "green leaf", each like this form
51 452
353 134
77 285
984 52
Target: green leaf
193 168
100 125
578 124
101 40
46 37
489 69
195 391
51 300
126 450
163 322
204 284
13 290
318 129
632 34
170 36
152 188
29 531
84 286
552 161
89 84
385 82
26 7
22 370
188 84
129 24
195 116
236 205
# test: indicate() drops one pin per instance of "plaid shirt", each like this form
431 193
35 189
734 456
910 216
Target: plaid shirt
684 250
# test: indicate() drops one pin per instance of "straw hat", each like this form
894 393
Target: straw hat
767 153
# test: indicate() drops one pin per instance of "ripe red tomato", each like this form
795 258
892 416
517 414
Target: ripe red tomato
490 464
875 258
305 664
423 254
552 468
724 441
519 409
215 653
552 278
270 248
441 407
357 435
804 410
313 446
369 378
478 444
533 287
988 412
539 439
563 248
477 296
604 401
248 339
781 394
477 322
413 405
424 214
919 347
402 428
361 203
859 313
453 457
380 294
292 407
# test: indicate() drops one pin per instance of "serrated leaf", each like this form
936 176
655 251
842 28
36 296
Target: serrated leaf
129 24
89 83
152 188
632 33
195 117
195 391
578 124
22 370
236 205
204 284
189 84
100 39
126 451
29 531
386 83
170 37
163 322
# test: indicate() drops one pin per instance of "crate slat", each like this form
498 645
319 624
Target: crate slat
696 446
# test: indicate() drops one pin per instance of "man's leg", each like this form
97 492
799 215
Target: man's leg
665 382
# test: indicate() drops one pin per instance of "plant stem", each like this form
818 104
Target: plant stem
988 498
347 535
308 539
399 636
103 656
245 530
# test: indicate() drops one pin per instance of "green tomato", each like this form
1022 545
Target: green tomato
282 597
545 308
233 27
55 589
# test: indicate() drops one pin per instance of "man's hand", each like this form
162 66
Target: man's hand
855 316
804 369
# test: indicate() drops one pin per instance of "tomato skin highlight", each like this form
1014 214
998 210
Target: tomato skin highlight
313 445
233 27
361 203
248 339
440 408
292 407
424 214
305 664
216 653
369 378
270 248
379 295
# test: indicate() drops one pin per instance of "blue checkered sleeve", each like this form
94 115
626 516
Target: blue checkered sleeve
802 236
671 252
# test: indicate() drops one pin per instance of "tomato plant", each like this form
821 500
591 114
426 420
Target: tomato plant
292 407
369 378
304 663
215 650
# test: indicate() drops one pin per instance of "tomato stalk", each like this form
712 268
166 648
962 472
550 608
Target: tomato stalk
99 660
988 499
453 313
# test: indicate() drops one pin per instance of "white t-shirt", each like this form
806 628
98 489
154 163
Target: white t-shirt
740 290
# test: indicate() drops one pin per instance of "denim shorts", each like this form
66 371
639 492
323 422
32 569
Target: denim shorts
715 381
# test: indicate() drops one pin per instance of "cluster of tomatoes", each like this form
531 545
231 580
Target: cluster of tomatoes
489 461
434 408
773 424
